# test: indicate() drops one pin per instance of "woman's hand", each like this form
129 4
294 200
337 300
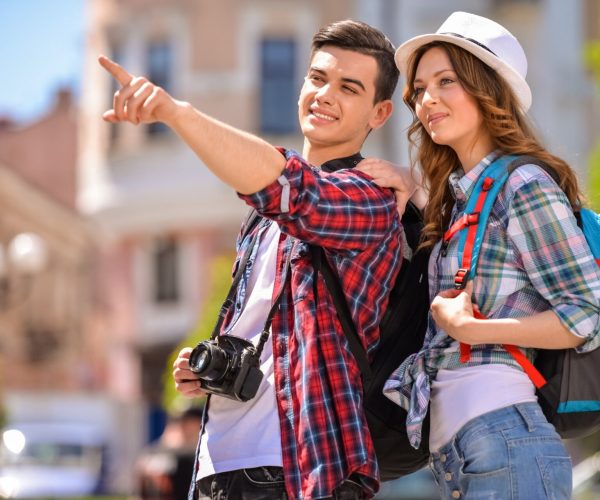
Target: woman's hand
454 312
406 182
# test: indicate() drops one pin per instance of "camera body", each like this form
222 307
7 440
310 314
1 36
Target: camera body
227 366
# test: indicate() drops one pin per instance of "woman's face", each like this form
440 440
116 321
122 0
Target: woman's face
449 114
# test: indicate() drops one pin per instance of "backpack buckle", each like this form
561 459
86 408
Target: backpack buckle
472 219
487 184
460 279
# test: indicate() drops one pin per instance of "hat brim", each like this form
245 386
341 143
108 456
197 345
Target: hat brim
514 79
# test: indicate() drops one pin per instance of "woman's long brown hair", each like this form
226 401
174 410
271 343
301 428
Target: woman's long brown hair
510 131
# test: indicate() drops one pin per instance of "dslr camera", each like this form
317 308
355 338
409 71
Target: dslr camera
227 366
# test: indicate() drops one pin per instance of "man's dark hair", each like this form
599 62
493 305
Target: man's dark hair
362 38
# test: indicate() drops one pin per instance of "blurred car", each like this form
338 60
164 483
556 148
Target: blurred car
46 459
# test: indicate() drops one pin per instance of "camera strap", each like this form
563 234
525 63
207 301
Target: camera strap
267 328
230 300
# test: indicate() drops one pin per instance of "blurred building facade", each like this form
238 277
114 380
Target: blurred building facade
50 367
46 313
43 317
162 217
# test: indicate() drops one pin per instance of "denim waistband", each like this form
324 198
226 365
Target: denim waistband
501 419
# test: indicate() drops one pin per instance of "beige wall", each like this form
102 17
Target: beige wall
44 153
43 319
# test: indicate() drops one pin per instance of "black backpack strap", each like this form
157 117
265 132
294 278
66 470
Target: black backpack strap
320 264
532 160
412 223
252 218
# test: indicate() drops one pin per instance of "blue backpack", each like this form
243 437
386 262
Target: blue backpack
568 383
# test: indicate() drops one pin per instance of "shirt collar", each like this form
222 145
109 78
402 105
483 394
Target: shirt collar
340 163
461 184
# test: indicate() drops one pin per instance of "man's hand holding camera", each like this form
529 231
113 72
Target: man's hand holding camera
186 382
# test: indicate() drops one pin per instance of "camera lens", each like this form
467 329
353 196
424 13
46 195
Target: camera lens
202 360
208 361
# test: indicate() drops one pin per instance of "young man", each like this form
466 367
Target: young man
304 434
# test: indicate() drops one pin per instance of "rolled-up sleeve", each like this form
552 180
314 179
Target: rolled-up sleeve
339 210
556 257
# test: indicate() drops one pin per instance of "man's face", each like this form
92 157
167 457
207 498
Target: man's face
336 105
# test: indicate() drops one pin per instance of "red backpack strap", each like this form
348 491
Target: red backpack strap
493 179
487 184
465 352
532 372
469 221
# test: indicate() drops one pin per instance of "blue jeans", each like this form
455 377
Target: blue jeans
507 454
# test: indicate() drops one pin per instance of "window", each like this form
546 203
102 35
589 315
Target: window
166 271
41 343
159 62
278 97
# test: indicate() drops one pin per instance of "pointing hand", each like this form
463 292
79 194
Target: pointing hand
138 100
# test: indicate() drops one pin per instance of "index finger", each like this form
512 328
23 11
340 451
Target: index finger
116 70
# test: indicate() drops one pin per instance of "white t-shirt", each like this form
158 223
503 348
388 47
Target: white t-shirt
240 435
462 394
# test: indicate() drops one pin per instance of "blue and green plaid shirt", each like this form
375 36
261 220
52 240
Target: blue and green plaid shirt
533 258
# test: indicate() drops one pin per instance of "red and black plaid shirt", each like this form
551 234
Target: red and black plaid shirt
324 434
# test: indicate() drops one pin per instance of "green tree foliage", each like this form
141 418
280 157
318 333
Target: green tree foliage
591 444
592 58
594 178
592 61
220 278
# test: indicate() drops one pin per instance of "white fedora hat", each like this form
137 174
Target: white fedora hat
487 40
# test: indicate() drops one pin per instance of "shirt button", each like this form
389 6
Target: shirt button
443 457
456 494
448 476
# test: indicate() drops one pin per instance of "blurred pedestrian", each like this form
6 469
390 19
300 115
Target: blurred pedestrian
164 469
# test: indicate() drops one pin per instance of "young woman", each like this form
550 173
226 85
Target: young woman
537 282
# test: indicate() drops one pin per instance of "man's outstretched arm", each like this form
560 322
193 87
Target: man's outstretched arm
241 160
